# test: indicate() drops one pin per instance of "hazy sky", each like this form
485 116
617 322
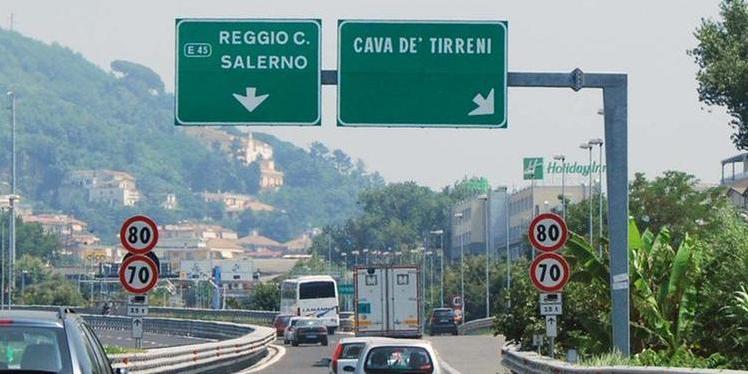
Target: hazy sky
668 129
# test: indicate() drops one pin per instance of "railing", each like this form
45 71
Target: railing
531 362
470 327
239 346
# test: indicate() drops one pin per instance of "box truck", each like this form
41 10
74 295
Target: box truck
387 301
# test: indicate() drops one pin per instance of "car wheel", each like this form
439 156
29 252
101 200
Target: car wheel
295 343
454 332
324 341
285 342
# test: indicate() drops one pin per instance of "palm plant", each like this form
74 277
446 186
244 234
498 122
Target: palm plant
663 287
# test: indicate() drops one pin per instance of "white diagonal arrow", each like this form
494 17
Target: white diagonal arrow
485 104
251 101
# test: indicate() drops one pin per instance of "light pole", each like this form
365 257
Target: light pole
462 267
599 143
366 256
563 183
345 260
588 147
12 249
506 243
441 265
485 199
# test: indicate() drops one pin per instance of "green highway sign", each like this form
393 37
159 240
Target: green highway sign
345 289
247 72
532 168
422 73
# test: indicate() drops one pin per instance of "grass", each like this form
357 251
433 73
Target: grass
607 359
115 350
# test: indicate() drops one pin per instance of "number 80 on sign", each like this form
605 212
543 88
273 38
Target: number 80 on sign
549 272
138 274
548 232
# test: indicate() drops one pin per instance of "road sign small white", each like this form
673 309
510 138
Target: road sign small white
550 326
137 310
550 309
548 232
137 328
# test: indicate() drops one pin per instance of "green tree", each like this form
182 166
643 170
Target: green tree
265 296
54 291
722 57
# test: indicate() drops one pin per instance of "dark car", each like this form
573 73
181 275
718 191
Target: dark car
306 330
50 342
443 321
280 322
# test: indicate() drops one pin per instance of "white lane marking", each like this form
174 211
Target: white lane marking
449 369
280 352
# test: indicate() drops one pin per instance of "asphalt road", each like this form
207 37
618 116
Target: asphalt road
123 338
466 354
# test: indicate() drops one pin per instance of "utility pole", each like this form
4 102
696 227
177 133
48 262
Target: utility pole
462 268
486 232
12 259
508 252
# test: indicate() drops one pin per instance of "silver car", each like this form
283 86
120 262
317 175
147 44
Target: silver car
348 350
397 356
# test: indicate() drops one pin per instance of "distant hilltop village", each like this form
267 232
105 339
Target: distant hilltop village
244 148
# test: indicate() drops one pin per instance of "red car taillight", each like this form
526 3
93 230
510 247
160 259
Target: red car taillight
336 356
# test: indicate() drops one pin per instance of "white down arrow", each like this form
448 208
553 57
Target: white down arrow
251 101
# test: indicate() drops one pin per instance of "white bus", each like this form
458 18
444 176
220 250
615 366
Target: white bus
311 296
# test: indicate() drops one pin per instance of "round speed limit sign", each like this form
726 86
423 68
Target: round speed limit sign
138 274
549 272
548 232
139 234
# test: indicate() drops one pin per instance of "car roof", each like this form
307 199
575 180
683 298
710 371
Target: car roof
362 339
400 343
32 317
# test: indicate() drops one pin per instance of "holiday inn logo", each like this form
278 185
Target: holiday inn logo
533 167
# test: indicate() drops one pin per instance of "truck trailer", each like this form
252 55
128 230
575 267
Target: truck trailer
387 301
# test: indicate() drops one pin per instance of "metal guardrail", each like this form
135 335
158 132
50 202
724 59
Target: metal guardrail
239 345
532 363
260 317
470 327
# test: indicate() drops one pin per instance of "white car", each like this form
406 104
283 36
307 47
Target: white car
348 350
397 356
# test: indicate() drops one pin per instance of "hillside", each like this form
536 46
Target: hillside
72 115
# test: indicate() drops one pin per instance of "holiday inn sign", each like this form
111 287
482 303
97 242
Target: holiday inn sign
534 169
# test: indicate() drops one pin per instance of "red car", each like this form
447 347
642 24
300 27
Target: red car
280 323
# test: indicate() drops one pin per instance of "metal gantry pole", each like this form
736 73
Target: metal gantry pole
600 199
488 281
12 234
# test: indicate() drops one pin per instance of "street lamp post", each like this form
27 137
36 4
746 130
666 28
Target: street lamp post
588 147
462 267
599 143
441 265
12 249
366 256
485 199
563 183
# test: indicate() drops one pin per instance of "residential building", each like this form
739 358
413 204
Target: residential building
299 245
196 241
237 203
257 245
736 180
530 201
251 150
114 188
170 202
469 219
270 178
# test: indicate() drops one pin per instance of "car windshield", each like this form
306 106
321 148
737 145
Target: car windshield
351 351
398 360
443 313
307 323
40 349
283 319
